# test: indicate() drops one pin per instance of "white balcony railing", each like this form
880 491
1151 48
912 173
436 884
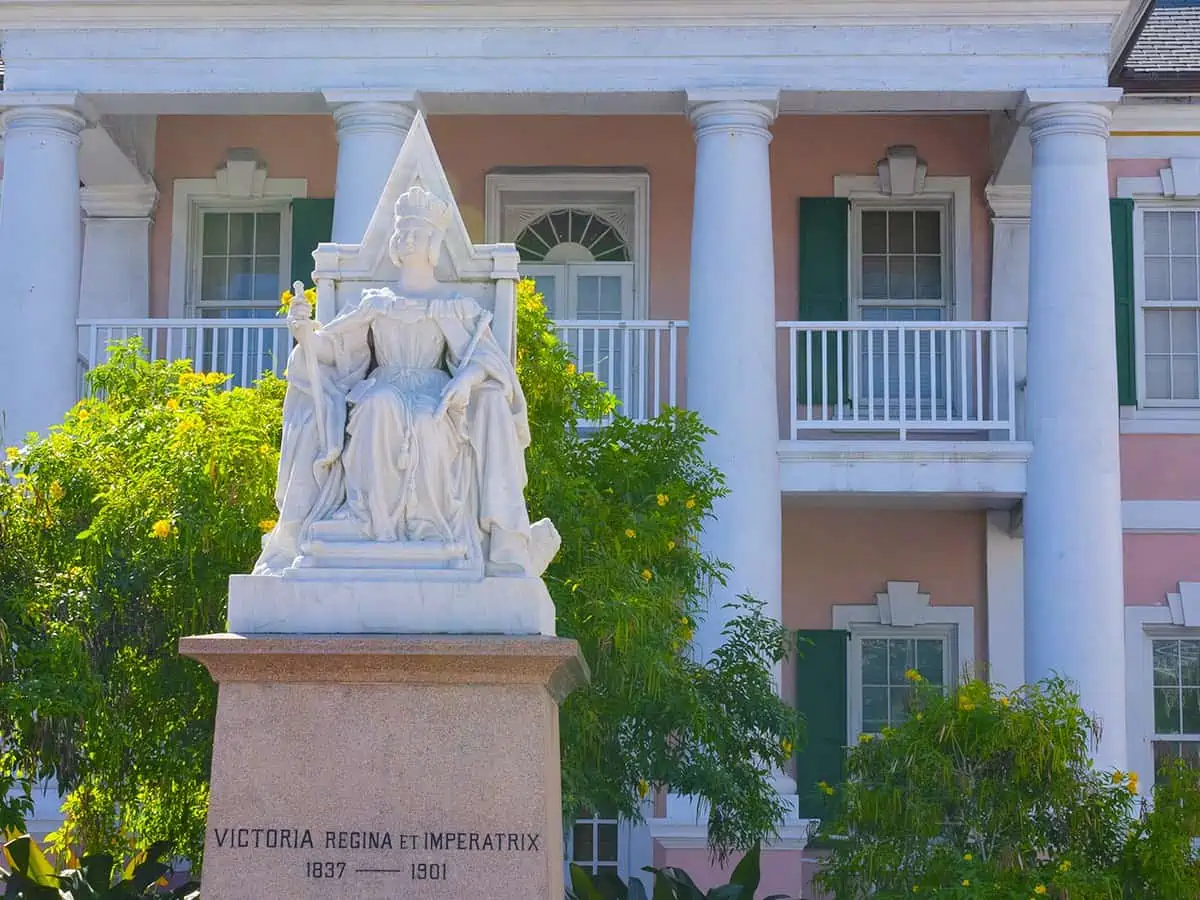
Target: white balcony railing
903 377
638 360
245 348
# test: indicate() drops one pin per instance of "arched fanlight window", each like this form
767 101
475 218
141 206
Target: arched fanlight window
571 236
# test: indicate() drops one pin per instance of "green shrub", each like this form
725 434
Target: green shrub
982 795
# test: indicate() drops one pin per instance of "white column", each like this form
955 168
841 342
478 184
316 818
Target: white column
1074 623
731 352
116 251
40 238
371 126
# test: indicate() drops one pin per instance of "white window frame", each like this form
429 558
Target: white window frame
191 197
633 845
952 194
1143 626
902 611
193 305
948 634
1140 208
553 185
881 204
1152 193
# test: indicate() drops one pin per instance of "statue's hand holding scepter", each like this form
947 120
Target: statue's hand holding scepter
302 326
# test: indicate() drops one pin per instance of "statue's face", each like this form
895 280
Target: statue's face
413 245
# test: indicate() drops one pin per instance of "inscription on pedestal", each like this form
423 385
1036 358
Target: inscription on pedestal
368 857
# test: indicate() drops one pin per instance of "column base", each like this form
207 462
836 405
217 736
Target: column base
421 766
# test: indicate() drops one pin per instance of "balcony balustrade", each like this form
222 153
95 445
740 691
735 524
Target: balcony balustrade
899 380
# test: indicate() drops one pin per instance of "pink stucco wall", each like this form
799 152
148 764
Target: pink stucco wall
806 153
1160 467
1132 168
1156 563
846 556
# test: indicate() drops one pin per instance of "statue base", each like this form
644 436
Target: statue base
373 601
416 767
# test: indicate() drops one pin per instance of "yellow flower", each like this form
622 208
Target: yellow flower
643 788
916 889
919 716
265 449
825 788
83 415
215 378
690 503
663 499
12 454
1040 889
161 529
286 297
786 746
630 533
966 882
266 525
172 404
1132 784
190 379
647 574
56 491
1118 776
670 545
913 675
965 704
1064 866
968 857
1004 702
865 738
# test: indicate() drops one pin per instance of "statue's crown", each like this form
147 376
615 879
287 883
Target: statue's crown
419 205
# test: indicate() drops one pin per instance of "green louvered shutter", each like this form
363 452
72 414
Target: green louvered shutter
1121 211
312 223
821 699
824 289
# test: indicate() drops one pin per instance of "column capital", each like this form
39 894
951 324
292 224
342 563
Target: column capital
372 111
745 111
119 201
1009 201
1049 111
60 114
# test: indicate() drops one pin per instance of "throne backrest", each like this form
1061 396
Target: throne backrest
485 272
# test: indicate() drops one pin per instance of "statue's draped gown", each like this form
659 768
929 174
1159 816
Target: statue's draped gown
404 473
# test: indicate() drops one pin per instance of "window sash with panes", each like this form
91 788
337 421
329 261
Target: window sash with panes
901 273
1176 700
1171 306
240 273
583 269
883 662
593 843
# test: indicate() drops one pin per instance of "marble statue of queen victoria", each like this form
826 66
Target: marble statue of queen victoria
404 428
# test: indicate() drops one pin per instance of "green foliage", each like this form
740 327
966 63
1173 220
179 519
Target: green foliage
31 877
126 522
671 883
981 795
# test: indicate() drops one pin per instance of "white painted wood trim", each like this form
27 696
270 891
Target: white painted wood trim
955 192
1149 186
1161 516
1161 420
193 194
1005 601
637 184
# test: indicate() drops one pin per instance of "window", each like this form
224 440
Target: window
1169 289
901 273
1176 700
240 270
593 844
241 264
880 660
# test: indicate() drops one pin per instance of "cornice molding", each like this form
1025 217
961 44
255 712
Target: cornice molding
1131 118
149 13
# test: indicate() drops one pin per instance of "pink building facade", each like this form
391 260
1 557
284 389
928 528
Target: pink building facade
931 276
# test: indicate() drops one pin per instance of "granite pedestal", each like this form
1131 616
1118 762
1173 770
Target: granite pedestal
422 767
